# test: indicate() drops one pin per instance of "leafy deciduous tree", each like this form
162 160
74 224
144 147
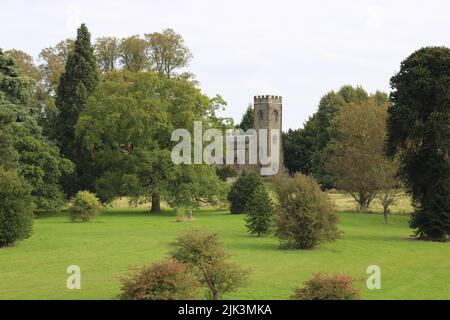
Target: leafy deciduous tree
167 52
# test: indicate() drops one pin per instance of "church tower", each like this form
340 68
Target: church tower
268 114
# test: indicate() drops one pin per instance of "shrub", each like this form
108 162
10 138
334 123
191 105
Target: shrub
327 287
226 171
84 206
165 280
16 208
205 255
242 190
259 211
305 216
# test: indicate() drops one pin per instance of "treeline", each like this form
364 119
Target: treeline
99 118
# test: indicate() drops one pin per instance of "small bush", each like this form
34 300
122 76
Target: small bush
305 216
205 255
84 206
327 287
16 208
242 190
259 211
166 280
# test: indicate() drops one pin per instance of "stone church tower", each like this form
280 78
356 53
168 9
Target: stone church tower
268 114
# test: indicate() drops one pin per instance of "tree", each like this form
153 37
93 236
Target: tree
390 187
165 280
259 211
77 83
107 53
195 185
419 133
305 216
299 146
204 254
133 54
16 208
357 161
241 191
127 129
167 52
247 119
23 147
25 62
54 60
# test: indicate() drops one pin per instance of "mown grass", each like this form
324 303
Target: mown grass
105 249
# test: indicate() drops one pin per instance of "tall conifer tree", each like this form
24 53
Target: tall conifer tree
77 83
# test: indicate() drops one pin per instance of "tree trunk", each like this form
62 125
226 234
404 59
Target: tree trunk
190 214
215 296
156 203
385 212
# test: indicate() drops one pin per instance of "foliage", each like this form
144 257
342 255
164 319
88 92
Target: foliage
133 51
226 171
195 185
305 216
204 253
53 63
241 191
357 162
23 145
419 133
127 130
167 52
247 121
165 280
299 146
327 287
259 209
390 187
84 206
107 53
16 208
77 83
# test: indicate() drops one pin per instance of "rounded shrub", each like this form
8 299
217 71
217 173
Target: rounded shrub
259 211
165 280
305 216
242 190
327 287
16 208
84 206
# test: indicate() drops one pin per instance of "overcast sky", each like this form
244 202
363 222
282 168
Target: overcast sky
297 49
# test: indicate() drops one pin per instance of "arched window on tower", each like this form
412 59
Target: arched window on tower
275 115
260 115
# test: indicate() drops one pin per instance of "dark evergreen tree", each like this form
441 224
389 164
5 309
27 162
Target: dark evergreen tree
419 133
23 147
77 83
247 119
242 190
259 211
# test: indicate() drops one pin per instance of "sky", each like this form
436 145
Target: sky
297 49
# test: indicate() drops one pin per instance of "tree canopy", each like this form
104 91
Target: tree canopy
419 133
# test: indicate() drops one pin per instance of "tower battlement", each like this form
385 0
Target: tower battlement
268 98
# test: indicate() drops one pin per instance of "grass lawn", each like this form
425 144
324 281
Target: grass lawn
123 238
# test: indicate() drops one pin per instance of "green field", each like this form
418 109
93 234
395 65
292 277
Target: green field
122 238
